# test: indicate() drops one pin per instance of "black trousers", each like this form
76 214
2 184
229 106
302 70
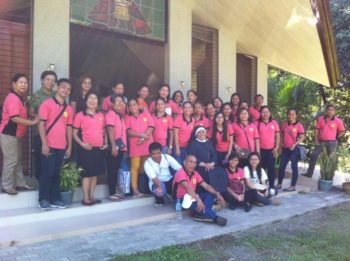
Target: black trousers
113 165
249 196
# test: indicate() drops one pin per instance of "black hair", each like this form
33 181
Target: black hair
64 80
92 93
257 96
233 95
194 92
265 107
240 111
80 81
174 94
154 146
215 128
258 168
230 117
330 106
133 99
164 85
155 105
142 86
117 82
115 96
232 156
292 109
183 115
217 97
46 73
17 76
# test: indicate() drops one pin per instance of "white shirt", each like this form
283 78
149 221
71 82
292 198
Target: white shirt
255 179
161 171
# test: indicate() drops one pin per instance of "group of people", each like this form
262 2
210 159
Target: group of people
229 149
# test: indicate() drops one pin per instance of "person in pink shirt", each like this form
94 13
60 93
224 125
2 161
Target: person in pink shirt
217 103
221 135
55 129
163 127
139 128
118 89
246 137
116 130
227 110
328 129
142 97
237 194
292 136
178 98
183 127
198 115
269 132
210 113
254 110
192 97
13 128
243 105
171 107
235 102
93 145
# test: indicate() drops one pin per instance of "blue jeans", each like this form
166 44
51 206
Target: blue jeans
49 182
262 199
293 156
183 153
208 201
167 186
268 163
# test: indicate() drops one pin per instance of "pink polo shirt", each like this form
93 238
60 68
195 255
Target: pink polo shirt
48 111
254 113
267 132
139 124
181 176
170 107
251 132
235 175
221 145
107 104
202 121
185 130
162 126
13 106
328 129
92 127
290 133
235 114
113 119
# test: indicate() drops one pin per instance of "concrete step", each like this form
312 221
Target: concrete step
30 225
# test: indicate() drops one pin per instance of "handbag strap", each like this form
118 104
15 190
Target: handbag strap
245 134
56 119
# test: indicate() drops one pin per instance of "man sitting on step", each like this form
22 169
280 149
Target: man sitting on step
157 168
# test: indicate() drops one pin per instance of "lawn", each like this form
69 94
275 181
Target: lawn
319 235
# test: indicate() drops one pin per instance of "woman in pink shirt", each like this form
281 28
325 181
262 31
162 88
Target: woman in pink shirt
210 113
199 116
93 145
246 137
227 110
178 98
183 127
218 103
235 103
292 136
163 127
171 107
221 135
142 97
139 128
269 133
192 97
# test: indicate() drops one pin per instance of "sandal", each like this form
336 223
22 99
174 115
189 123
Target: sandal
140 195
289 189
114 198
119 195
10 191
25 187
87 203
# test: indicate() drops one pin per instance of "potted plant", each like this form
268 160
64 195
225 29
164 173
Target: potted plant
70 176
328 166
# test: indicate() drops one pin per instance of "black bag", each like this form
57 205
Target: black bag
120 144
142 184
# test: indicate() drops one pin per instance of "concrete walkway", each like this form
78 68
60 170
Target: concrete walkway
104 245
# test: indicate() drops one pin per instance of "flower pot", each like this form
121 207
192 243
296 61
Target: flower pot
346 187
67 197
325 185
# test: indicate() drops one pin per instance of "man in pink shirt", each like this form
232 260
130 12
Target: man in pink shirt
55 129
254 111
186 181
328 129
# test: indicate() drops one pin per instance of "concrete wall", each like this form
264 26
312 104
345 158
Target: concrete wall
178 50
50 38
227 65
262 83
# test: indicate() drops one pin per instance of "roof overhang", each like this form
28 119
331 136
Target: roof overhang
294 35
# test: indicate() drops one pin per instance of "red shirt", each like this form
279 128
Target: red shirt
139 124
92 127
115 120
48 111
185 130
170 107
254 113
328 129
107 104
291 132
13 106
180 176
202 121
221 145
267 132
161 127
239 175
251 133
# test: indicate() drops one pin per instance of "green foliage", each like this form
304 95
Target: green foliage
343 152
70 175
328 164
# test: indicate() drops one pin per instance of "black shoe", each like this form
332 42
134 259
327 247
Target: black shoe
58 204
232 206
202 218
247 207
44 205
221 221
307 175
